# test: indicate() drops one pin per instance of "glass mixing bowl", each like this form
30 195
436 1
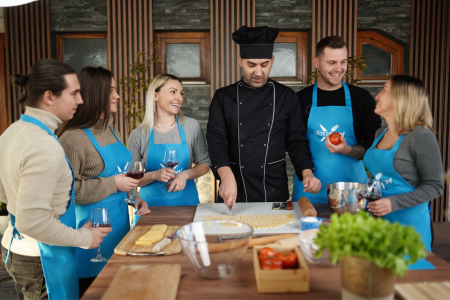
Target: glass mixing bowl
214 248
309 248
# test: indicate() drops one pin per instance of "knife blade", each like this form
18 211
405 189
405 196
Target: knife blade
145 253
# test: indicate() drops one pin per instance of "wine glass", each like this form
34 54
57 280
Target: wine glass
171 161
371 192
136 171
100 218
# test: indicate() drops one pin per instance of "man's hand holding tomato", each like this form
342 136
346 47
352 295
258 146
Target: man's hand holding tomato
342 148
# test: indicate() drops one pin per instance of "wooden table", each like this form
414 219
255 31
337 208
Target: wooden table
325 283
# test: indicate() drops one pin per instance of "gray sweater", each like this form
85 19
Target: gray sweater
138 141
418 161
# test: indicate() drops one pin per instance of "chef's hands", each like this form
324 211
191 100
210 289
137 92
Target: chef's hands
124 183
310 182
179 183
342 148
164 174
142 206
228 187
380 207
98 233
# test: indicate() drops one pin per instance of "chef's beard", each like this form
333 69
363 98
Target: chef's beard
255 85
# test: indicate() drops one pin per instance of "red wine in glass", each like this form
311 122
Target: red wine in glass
171 161
100 217
136 171
369 197
172 164
135 174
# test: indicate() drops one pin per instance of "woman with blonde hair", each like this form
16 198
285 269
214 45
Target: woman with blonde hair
165 127
405 156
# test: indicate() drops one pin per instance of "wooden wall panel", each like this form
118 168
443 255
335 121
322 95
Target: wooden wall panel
226 17
331 17
130 31
429 60
27 29
4 115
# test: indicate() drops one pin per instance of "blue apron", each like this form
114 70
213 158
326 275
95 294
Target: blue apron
330 167
58 263
116 157
382 161
154 193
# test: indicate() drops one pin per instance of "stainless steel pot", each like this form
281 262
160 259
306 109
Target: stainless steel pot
343 196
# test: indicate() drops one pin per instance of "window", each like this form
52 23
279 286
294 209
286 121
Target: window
185 55
80 50
384 57
291 54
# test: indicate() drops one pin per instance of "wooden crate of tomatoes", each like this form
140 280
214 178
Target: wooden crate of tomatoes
280 269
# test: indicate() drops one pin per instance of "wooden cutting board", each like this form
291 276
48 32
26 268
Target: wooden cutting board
145 282
128 242
423 291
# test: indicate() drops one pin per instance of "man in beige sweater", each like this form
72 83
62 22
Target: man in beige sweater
36 179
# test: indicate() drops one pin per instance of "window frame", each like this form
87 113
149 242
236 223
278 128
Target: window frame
61 36
301 39
202 38
383 43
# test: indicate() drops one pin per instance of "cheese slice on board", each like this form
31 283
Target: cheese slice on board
154 235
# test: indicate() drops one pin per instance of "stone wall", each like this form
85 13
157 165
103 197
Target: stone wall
290 14
390 16
181 14
76 15
196 106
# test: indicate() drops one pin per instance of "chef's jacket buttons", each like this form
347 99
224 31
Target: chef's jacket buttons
242 145
264 145
242 167
240 124
270 103
268 124
240 102
262 167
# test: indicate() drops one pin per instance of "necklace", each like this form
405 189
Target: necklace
166 127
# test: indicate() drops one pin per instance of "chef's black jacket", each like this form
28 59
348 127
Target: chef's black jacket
250 130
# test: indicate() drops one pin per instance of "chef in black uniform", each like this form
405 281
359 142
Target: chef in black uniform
252 123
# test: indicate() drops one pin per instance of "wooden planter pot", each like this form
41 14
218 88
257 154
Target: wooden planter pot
362 279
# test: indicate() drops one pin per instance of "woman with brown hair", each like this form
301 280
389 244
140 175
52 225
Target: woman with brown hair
99 160
405 156
36 181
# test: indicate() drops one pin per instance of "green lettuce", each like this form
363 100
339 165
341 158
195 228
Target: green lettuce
388 245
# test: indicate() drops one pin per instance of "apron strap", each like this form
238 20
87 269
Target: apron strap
181 130
115 135
93 139
15 235
314 96
151 140
348 101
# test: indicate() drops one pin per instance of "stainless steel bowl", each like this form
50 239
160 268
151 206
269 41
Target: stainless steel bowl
343 196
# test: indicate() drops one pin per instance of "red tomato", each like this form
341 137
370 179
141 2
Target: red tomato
265 253
271 263
335 138
288 259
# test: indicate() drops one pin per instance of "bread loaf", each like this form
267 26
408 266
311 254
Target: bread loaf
306 207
